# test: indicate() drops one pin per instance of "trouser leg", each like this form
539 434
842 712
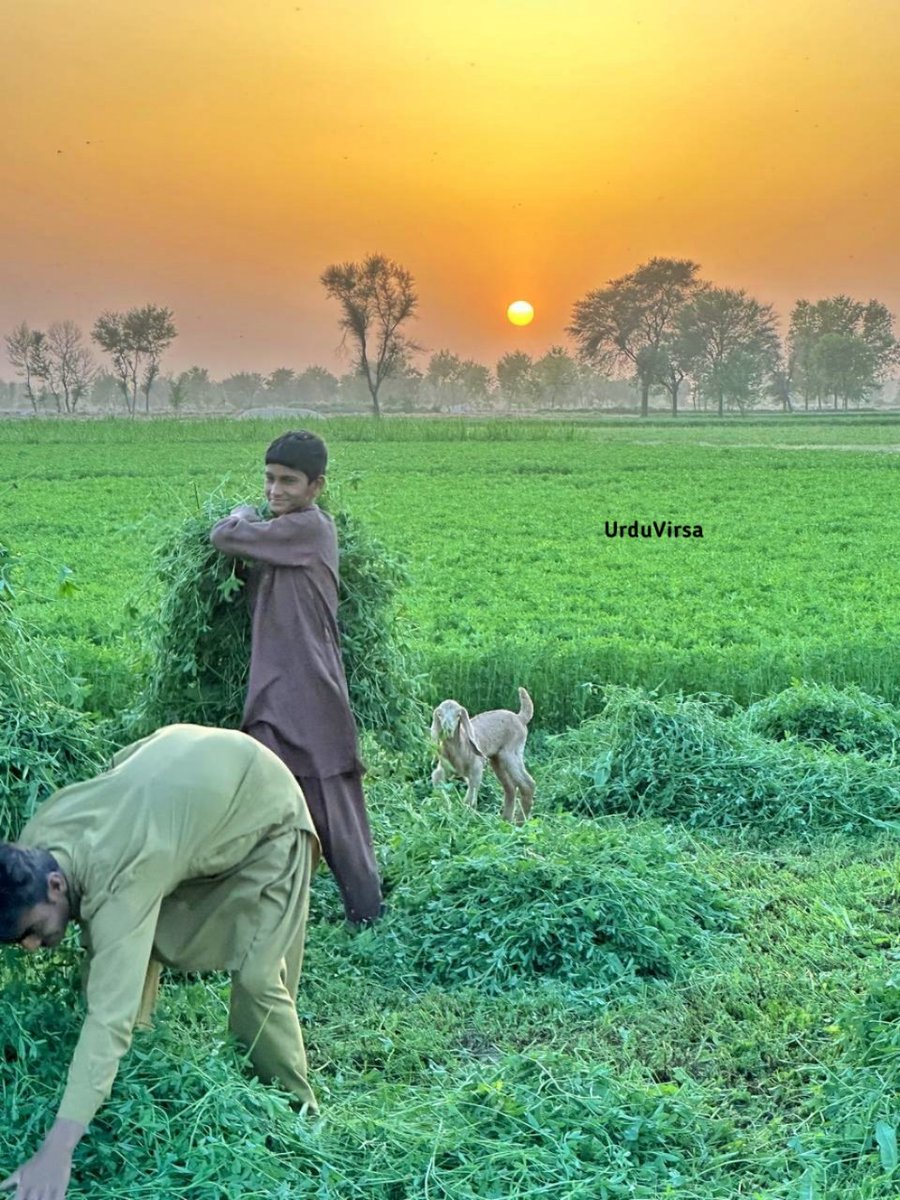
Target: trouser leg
293 960
263 1013
338 810
149 996
263 1018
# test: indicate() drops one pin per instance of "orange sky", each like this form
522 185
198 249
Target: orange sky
216 155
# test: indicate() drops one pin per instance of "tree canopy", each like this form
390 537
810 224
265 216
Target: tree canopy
729 343
135 341
377 296
840 348
630 323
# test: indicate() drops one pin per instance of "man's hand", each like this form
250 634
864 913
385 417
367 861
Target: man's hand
46 1175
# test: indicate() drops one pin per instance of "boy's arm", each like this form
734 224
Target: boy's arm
296 539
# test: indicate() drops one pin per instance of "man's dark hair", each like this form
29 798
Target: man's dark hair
23 883
300 450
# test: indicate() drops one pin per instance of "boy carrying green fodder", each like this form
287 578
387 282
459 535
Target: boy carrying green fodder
297 701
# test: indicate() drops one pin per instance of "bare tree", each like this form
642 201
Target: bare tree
376 297
135 340
67 366
24 347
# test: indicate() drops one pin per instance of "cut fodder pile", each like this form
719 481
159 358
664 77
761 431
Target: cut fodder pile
845 719
861 1091
472 901
195 649
675 758
46 742
184 1119
524 1125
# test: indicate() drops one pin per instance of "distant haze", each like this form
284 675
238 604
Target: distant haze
215 156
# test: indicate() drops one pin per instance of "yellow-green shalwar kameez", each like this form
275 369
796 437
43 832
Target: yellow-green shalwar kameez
195 850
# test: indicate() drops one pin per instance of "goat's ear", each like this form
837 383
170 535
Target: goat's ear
467 729
436 727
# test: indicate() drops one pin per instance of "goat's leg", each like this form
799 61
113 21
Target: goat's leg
508 783
512 774
439 774
473 778
526 792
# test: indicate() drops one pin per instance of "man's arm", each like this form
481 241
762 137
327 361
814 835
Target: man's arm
122 934
296 539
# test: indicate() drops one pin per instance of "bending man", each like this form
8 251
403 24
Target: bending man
195 850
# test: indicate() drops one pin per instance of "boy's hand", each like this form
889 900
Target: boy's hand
246 512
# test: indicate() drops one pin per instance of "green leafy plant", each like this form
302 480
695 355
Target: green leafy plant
846 719
675 757
46 741
474 903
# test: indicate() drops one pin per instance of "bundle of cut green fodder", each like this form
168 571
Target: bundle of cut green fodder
674 757
195 650
185 1120
846 719
860 1120
472 901
46 742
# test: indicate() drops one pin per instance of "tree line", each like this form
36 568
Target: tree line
661 329
665 326
59 365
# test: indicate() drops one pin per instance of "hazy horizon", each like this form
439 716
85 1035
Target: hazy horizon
215 158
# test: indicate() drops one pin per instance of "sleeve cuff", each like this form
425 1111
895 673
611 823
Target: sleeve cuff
80 1104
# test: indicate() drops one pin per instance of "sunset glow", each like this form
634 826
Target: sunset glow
216 156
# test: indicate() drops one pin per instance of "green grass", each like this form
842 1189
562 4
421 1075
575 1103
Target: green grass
765 1067
688 987
678 758
514 580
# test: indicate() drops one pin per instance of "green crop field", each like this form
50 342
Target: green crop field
682 978
513 577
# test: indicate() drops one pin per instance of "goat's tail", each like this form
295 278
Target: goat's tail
526 708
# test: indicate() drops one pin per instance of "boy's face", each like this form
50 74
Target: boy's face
289 490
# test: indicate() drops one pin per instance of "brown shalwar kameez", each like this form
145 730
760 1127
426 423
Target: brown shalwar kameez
194 850
297 702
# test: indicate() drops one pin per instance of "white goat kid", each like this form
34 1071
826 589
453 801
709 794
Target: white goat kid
465 744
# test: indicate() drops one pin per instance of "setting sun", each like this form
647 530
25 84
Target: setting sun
520 312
